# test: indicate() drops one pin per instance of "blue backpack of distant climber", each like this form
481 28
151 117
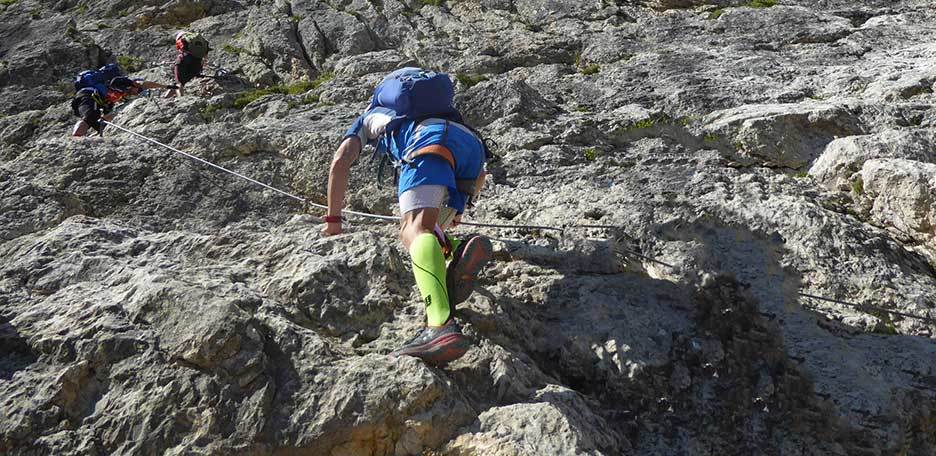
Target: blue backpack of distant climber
97 79
414 93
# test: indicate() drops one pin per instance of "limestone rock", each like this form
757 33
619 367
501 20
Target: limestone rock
697 292
845 156
902 194
789 136
557 422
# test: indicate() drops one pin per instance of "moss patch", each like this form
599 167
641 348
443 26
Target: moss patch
858 186
649 122
688 120
469 80
590 69
130 63
761 3
591 154
250 96
885 324
583 68
207 113
233 49
286 89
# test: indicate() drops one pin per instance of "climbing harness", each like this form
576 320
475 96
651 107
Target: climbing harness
306 203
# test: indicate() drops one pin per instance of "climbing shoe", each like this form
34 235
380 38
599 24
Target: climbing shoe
467 261
436 345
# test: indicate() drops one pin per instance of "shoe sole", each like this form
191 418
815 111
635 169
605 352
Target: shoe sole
440 351
475 257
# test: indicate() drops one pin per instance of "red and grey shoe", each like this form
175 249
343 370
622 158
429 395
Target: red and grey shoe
469 259
436 345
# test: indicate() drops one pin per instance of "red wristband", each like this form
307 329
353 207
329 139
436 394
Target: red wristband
332 219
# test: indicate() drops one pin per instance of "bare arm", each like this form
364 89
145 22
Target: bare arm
347 152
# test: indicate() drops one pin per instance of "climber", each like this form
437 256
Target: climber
190 60
95 101
441 164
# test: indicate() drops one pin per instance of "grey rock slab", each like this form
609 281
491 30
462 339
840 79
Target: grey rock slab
902 74
902 194
780 135
151 304
375 405
322 283
372 62
785 24
489 100
555 421
845 156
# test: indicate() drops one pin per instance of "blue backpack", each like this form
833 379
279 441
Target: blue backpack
97 79
417 94
414 93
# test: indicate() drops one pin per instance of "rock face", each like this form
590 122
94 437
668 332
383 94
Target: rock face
736 160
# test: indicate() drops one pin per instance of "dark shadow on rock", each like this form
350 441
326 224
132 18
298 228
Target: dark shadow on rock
285 382
711 361
15 353
589 328
667 359
804 369
755 258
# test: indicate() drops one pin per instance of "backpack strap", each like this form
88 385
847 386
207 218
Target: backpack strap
487 144
383 149
437 150
433 149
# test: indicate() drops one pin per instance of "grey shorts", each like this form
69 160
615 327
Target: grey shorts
428 196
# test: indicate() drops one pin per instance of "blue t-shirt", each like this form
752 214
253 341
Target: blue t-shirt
406 136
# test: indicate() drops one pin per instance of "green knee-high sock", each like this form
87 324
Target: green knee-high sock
429 270
454 243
